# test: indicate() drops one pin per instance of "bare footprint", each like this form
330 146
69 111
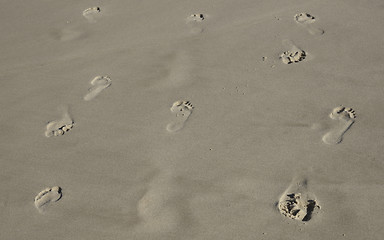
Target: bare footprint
297 202
305 20
346 117
183 110
91 14
294 55
99 84
194 21
47 196
59 127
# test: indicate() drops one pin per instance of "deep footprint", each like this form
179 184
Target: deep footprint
99 83
59 127
294 55
297 203
91 14
47 196
306 20
182 109
346 117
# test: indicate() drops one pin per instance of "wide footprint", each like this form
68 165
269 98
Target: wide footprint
305 20
59 127
182 109
47 196
294 55
99 83
346 117
297 202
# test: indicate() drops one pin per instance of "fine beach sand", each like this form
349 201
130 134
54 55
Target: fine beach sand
208 120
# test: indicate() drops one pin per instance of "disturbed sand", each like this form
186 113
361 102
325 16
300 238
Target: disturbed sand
191 119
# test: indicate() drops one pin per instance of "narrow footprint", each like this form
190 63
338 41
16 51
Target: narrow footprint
297 202
99 83
294 55
306 20
61 126
91 14
194 21
46 197
182 109
345 117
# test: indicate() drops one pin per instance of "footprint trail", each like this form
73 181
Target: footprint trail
182 109
345 117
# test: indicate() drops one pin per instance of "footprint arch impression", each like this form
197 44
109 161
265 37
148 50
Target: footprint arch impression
46 197
182 110
345 117
297 202
306 20
99 83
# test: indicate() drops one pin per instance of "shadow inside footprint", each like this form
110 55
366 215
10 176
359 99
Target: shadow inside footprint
47 196
294 55
297 202
345 117
182 109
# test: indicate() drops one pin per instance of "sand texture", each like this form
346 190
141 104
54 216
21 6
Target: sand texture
192 120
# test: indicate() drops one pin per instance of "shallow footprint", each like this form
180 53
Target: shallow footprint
194 21
99 84
294 55
297 202
306 20
183 110
346 117
91 14
59 127
47 196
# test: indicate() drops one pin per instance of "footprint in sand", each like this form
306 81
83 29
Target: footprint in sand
297 202
194 21
99 83
346 117
47 196
306 20
91 14
294 55
59 127
183 110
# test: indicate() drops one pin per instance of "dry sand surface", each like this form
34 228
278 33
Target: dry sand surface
176 119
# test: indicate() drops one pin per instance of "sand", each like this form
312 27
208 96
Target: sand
191 119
